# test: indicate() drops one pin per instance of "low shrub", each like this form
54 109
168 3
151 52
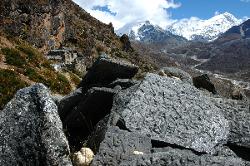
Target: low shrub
9 84
13 57
34 76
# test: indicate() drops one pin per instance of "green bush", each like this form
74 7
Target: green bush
34 76
10 82
58 83
13 57
33 56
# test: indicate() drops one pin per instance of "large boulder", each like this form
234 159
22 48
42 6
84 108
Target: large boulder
106 70
31 130
238 115
121 148
173 112
165 121
125 148
204 82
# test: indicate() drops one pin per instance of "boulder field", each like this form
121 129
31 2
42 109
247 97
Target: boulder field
159 120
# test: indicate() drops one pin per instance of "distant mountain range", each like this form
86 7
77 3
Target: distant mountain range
193 29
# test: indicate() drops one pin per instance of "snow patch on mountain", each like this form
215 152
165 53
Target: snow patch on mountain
191 29
209 30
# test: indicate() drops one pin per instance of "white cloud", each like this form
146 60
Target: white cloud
130 11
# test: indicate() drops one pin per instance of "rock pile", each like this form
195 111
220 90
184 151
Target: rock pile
159 120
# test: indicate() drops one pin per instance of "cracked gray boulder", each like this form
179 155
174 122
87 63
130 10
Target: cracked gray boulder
173 112
123 148
31 131
238 115
106 70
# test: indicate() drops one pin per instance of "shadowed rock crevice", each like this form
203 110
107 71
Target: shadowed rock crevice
121 124
160 144
83 110
240 151
80 122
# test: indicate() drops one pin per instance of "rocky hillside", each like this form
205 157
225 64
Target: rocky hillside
237 32
230 53
48 24
23 65
31 28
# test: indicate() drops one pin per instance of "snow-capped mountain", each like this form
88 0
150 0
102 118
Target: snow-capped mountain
208 30
143 31
191 29
149 33
241 31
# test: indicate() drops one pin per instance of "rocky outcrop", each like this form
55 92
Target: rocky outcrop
31 130
126 43
50 24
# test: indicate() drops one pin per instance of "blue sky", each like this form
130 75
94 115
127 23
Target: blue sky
160 12
205 9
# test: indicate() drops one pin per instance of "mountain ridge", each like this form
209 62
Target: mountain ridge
193 29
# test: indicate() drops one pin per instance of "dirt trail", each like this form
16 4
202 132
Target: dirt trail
239 83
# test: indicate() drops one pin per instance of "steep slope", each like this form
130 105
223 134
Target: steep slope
231 53
22 65
207 30
237 32
44 25
50 23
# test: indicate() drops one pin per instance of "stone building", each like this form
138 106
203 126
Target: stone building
65 56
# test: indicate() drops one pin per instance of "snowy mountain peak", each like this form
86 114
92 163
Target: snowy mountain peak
137 31
191 29
208 30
